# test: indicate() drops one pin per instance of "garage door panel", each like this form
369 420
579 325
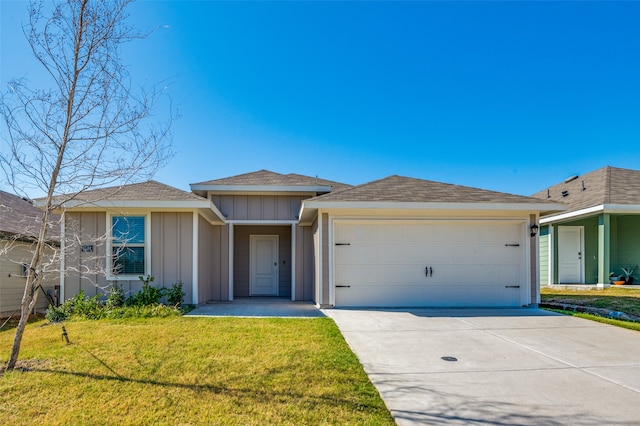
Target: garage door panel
381 274
437 296
474 263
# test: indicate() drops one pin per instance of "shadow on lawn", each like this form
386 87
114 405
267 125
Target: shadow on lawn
264 394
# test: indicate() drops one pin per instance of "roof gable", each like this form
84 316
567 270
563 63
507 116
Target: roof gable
405 189
144 191
607 185
265 180
145 195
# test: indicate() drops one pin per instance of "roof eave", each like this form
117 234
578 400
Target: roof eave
588 211
540 207
204 206
309 208
314 189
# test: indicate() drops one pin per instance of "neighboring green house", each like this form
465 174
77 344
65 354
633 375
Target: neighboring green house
599 233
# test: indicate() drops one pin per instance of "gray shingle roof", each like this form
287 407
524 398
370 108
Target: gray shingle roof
269 178
147 191
608 185
20 218
404 189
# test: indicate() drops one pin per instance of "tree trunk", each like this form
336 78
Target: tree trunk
30 297
28 302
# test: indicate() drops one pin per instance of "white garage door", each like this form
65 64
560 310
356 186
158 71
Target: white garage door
429 263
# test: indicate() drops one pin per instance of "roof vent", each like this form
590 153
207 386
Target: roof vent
548 194
570 178
583 187
565 193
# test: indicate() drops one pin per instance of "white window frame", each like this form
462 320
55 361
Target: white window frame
147 246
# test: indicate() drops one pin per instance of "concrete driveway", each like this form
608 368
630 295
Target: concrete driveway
514 366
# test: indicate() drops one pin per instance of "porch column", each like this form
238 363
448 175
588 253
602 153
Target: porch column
604 249
195 299
294 252
534 262
230 264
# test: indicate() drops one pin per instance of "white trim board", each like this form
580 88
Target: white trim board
602 208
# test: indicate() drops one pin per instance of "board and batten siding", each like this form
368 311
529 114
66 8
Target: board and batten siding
213 262
324 246
625 250
258 207
171 253
12 282
305 268
544 255
172 250
241 257
85 270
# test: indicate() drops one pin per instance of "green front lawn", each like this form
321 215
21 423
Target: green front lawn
615 299
189 371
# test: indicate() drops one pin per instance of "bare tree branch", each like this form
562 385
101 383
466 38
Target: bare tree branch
89 130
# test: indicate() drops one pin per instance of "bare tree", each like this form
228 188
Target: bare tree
90 129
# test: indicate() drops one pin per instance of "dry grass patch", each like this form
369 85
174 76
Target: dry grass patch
188 371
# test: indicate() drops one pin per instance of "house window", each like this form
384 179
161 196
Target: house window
128 245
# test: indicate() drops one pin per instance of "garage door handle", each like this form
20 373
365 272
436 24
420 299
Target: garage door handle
343 286
428 271
511 286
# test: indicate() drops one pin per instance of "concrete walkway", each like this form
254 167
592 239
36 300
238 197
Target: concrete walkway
247 307
498 367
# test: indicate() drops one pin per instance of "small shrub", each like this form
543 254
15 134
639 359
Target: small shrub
116 297
144 304
79 305
148 295
56 314
158 311
86 307
175 295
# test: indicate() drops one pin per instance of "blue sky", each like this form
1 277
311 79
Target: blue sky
508 96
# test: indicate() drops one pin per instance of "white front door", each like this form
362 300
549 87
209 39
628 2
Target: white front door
264 265
570 255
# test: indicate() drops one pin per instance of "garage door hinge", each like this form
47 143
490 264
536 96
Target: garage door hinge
343 244
343 286
512 245
512 286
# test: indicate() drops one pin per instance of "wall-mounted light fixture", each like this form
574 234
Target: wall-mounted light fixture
534 230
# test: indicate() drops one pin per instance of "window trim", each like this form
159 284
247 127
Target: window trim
147 247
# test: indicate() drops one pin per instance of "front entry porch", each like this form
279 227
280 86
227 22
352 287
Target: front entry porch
259 307
262 261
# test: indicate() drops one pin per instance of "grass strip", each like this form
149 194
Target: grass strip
618 323
612 298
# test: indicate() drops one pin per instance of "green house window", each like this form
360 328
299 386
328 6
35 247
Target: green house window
128 245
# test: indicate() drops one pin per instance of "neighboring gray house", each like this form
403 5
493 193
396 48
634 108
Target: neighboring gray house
19 227
393 242
598 233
